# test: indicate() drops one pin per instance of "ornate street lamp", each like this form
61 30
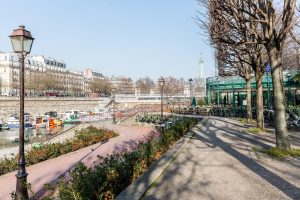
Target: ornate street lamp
21 41
161 82
191 82
113 90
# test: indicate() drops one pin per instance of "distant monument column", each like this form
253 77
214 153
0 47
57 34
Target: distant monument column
201 62
202 77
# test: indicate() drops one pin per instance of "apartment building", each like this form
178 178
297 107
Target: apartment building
43 76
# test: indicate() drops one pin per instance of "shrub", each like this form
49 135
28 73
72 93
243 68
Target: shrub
115 172
202 101
294 109
151 118
83 138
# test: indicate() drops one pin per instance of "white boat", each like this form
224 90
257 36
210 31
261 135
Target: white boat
73 112
14 123
69 117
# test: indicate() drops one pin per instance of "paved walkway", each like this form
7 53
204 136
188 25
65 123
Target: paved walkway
48 171
218 163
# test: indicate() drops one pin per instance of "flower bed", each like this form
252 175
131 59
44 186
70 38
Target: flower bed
114 173
83 138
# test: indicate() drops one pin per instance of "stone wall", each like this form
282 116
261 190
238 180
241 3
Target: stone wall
35 106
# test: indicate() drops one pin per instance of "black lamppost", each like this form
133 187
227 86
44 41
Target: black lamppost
161 82
21 41
191 82
113 90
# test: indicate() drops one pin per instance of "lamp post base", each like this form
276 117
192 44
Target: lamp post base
21 188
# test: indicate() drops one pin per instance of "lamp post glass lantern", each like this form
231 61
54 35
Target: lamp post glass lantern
21 41
161 82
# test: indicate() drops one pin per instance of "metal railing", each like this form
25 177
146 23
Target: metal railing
16 98
121 116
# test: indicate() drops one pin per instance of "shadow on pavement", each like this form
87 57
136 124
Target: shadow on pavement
210 138
289 189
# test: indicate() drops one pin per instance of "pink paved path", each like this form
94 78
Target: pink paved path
50 170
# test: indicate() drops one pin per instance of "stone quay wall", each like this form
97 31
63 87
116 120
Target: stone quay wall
41 105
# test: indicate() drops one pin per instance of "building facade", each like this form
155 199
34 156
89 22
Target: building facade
43 76
123 85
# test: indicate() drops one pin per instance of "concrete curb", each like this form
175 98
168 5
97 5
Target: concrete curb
137 188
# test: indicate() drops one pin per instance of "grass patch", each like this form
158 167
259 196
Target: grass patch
256 150
278 153
254 130
243 120
281 154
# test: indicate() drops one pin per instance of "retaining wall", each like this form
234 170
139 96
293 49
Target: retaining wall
35 106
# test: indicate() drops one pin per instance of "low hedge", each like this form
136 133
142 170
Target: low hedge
151 118
83 138
115 172
294 109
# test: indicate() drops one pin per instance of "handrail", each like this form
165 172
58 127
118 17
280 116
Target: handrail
138 109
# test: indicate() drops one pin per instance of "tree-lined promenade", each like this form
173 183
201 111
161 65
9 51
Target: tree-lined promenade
247 36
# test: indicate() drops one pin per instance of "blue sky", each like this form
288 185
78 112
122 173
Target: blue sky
135 38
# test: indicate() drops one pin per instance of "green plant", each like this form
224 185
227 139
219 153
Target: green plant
83 138
151 118
202 101
243 120
117 171
254 130
294 109
281 154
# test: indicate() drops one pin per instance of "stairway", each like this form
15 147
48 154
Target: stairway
131 122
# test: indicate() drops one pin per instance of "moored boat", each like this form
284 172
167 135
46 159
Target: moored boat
40 121
14 122
69 118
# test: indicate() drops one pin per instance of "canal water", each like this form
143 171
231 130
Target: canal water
10 138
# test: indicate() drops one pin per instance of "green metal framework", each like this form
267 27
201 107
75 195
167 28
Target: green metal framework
232 90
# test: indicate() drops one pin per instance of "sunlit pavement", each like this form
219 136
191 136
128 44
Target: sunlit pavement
219 163
50 170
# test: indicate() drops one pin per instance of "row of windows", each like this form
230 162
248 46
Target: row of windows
59 64
149 98
97 74
34 63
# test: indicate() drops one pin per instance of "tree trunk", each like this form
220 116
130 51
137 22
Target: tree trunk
259 100
249 106
282 137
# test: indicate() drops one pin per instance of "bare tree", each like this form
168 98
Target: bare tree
228 35
101 86
145 85
275 28
199 86
262 25
173 86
